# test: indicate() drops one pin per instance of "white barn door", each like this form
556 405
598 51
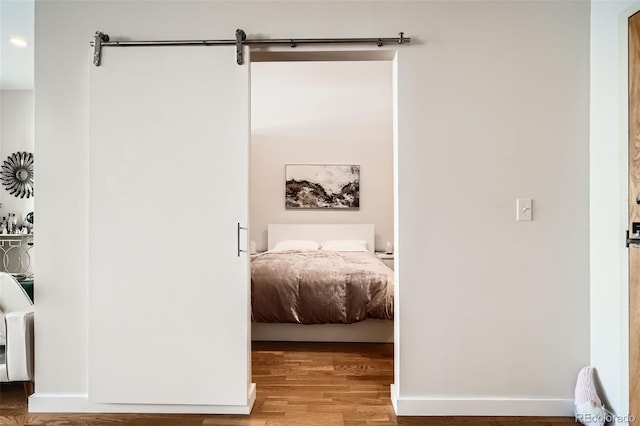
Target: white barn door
168 289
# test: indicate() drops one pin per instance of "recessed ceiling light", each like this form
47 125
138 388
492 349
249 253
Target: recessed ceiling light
18 41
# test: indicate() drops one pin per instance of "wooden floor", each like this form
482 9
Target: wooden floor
297 384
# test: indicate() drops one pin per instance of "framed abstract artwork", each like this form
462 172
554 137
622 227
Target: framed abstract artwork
322 186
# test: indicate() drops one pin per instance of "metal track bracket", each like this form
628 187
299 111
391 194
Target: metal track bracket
240 38
98 38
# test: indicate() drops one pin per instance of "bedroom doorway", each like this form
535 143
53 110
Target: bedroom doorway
315 110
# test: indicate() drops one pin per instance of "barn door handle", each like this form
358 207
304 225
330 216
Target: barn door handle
633 240
239 250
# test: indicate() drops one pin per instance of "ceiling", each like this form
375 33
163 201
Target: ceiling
16 63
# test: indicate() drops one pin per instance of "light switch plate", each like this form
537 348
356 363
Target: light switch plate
524 210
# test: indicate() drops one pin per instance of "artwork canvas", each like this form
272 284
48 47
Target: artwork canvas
312 186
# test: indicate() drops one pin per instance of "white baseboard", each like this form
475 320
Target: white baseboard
79 403
429 406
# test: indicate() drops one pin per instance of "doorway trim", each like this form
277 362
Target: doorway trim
633 256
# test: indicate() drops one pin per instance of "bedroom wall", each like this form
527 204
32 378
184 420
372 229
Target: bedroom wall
16 134
493 104
321 113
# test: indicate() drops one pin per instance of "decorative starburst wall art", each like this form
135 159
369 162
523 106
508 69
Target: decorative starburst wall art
17 174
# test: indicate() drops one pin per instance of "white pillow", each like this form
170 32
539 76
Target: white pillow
345 245
296 245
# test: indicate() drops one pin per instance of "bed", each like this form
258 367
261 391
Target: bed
302 295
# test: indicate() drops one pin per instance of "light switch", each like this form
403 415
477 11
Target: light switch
524 209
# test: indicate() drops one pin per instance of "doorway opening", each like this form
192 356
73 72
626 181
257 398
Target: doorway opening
313 113
17 141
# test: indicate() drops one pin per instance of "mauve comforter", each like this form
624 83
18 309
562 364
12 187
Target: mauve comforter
320 287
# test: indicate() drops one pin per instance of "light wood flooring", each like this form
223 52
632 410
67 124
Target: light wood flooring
321 384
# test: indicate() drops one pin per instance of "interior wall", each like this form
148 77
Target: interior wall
493 105
608 200
16 134
321 113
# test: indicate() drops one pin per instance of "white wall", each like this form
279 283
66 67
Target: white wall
16 135
493 104
321 113
608 199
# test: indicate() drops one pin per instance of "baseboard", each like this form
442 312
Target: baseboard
428 406
394 398
79 403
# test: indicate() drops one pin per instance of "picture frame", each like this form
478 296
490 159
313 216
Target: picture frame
322 186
